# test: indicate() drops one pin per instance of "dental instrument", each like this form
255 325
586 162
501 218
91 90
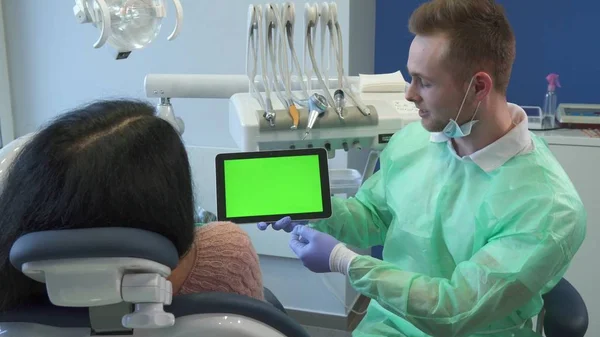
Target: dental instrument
249 122
390 112
271 26
311 20
339 100
308 71
284 66
326 50
276 44
255 45
334 44
339 50
126 24
317 105
269 114
288 20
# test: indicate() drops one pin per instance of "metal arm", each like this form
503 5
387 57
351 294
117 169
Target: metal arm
206 86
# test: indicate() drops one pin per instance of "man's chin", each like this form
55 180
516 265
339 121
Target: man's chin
431 126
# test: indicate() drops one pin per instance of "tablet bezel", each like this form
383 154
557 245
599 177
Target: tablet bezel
325 188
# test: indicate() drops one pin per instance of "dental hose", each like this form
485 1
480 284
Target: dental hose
313 59
275 80
296 63
252 73
281 52
340 58
269 114
287 102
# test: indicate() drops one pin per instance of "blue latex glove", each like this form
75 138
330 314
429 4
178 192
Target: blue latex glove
313 248
284 223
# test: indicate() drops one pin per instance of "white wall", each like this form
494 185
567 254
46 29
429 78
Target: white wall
361 47
581 163
53 68
6 120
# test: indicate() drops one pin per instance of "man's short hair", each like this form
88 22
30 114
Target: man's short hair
480 36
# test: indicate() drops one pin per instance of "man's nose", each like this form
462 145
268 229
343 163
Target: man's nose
410 94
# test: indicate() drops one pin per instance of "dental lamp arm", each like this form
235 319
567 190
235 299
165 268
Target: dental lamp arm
208 86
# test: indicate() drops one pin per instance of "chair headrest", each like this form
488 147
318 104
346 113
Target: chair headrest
106 242
8 154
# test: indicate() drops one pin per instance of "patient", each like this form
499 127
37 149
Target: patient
114 163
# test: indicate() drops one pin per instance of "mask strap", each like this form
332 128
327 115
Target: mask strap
465 98
475 113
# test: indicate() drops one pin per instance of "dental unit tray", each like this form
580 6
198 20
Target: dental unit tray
390 112
268 185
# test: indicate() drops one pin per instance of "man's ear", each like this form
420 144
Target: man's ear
483 85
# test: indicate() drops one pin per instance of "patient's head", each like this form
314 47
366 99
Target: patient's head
107 164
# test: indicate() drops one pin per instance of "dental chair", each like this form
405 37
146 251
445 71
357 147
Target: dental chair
112 281
564 313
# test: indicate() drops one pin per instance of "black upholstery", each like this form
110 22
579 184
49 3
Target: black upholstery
185 305
94 243
566 313
236 304
271 298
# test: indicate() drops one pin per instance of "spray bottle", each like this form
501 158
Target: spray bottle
550 103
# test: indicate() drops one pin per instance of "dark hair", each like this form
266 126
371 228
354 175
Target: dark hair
106 164
480 36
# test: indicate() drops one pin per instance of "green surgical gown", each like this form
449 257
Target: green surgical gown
466 252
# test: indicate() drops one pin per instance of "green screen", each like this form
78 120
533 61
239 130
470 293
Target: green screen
277 185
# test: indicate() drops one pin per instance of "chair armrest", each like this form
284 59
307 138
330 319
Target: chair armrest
566 312
271 298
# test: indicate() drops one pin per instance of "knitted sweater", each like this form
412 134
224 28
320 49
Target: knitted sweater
225 261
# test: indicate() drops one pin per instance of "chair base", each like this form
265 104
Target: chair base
217 325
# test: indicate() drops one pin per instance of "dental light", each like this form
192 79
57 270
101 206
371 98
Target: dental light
126 24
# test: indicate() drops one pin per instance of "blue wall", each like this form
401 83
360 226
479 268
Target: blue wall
552 36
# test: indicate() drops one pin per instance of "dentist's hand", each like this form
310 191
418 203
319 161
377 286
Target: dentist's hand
285 223
313 248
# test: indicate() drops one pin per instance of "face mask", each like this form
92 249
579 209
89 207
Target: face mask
452 129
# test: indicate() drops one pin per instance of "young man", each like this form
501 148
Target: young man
476 216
